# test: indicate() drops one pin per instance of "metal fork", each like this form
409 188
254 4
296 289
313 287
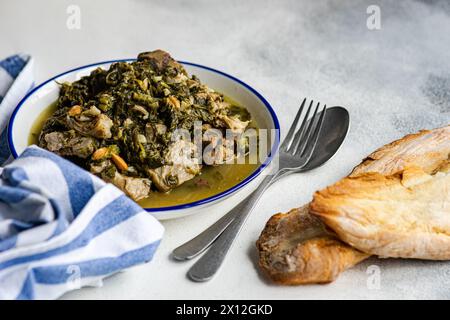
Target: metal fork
294 153
202 241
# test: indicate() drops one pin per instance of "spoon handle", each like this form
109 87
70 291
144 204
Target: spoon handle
202 241
205 268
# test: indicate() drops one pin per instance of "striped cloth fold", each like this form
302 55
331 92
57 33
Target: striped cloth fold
62 228
16 79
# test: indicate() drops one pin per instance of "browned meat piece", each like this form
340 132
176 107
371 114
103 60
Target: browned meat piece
160 60
179 78
98 168
217 150
98 126
69 144
160 129
181 165
143 113
234 123
153 130
135 188
297 248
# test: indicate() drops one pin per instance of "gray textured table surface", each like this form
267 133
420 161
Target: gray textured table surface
394 81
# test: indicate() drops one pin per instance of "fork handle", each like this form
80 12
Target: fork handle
205 268
192 248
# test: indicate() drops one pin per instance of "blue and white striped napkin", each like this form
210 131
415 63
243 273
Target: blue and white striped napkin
62 228
16 79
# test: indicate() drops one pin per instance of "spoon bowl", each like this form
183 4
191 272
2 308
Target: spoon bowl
334 130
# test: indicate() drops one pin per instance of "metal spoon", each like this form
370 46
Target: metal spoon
333 132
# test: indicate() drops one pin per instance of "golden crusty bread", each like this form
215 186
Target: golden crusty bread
427 149
404 213
297 248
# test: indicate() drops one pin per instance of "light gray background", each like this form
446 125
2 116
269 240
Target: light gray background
393 81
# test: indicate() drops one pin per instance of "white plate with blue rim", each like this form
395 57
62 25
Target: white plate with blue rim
36 102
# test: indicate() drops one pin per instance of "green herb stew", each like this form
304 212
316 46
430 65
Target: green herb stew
121 124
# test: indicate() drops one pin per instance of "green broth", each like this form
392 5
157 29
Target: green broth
211 181
38 124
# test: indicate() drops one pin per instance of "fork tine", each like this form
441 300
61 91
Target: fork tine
311 145
299 134
291 132
304 141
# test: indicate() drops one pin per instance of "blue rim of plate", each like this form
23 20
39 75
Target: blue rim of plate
215 197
